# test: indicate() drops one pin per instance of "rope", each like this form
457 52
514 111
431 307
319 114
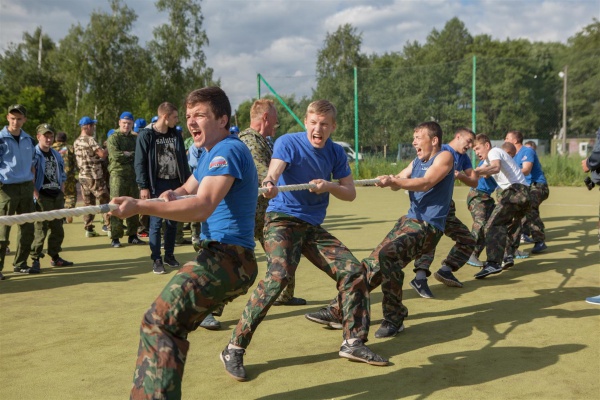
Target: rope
104 208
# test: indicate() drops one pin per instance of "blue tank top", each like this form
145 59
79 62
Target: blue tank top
431 206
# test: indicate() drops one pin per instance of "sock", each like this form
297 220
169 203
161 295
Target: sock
421 274
233 346
350 341
446 268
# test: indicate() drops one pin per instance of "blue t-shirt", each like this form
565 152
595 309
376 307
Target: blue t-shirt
433 205
305 163
462 162
194 154
527 154
232 222
487 185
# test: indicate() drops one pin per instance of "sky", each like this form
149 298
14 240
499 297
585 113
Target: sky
280 39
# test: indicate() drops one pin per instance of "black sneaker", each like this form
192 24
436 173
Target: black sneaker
35 264
447 278
134 239
489 269
294 301
27 270
233 360
59 262
539 247
358 351
387 329
171 261
508 262
158 267
115 243
421 286
326 317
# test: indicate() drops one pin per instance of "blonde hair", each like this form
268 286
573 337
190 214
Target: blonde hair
322 107
260 107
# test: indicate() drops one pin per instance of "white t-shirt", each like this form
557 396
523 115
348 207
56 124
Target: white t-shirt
509 170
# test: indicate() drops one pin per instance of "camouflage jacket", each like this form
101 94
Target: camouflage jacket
88 162
68 154
121 153
260 149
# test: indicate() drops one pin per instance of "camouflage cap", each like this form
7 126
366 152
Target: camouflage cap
18 108
42 129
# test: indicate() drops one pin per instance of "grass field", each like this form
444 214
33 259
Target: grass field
72 333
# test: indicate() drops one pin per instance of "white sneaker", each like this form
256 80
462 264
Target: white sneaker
521 254
474 261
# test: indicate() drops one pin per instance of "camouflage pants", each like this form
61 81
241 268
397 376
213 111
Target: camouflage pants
70 192
459 253
259 225
220 273
538 192
57 233
123 186
286 240
480 205
92 190
16 198
503 228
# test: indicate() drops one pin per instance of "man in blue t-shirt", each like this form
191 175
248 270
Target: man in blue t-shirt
464 242
293 228
225 186
527 159
429 179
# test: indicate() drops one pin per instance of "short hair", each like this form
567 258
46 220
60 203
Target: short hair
517 134
322 107
509 148
482 138
60 137
166 108
463 130
260 107
433 130
216 99
531 144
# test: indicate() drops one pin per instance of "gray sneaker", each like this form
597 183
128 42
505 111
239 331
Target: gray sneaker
387 329
158 267
358 351
233 360
447 278
489 269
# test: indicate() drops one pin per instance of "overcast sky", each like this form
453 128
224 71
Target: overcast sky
280 38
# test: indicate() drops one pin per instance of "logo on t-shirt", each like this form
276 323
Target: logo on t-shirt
524 158
217 162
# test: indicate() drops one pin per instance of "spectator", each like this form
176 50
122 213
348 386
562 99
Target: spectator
68 156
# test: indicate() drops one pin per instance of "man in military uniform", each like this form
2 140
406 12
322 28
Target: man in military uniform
89 156
121 152
263 123
68 155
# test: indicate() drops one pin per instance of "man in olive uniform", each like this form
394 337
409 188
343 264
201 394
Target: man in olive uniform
121 152
68 155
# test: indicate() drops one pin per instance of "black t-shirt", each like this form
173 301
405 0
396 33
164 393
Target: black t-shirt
50 187
166 156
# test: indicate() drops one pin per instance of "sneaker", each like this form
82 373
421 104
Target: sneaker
387 329
526 239
539 247
326 317
474 261
35 263
171 261
294 301
158 267
91 233
447 278
358 351
7 250
59 262
489 269
592 300
134 239
508 262
521 254
233 360
26 270
2 276
421 286
105 230
116 243
210 323
183 242
143 234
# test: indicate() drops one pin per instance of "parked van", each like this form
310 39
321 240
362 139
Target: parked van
349 151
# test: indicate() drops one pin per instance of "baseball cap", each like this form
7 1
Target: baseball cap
154 119
86 121
19 108
126 115
42 129
139 124
110 132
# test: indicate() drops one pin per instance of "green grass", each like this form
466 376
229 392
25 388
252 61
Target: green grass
72 333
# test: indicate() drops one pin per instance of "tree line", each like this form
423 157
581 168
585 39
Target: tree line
100 69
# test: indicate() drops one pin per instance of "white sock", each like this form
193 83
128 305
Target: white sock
233 346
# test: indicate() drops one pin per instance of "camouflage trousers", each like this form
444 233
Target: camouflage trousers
220 273
503 228
286 240
459 253
480 206
70 192
532 222
57 232
123 186
92 190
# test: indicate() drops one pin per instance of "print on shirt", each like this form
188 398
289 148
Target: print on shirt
167 160
217 162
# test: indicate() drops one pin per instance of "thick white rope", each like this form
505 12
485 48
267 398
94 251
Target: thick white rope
104 208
